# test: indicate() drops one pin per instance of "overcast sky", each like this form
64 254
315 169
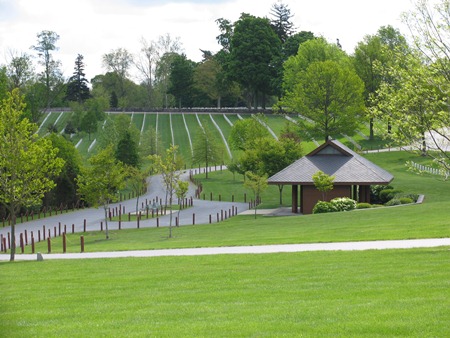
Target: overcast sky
95 27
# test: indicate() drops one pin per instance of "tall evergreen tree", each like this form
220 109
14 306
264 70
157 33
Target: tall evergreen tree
127 151
281 23
77 89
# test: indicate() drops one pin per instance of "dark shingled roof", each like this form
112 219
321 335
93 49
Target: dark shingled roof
333 158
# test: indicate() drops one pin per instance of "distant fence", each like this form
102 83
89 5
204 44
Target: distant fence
431 170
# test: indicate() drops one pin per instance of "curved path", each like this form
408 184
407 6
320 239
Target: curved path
93 216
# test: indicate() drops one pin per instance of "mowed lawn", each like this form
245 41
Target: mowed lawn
347 294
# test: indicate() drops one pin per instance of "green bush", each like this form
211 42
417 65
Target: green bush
388 194
343 203
375 191
322 207
392 202
406 200
363 206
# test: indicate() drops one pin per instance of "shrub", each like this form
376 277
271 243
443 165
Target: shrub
414 197
343 203
388 194
322 207
375 191
363 206
392 202
405 200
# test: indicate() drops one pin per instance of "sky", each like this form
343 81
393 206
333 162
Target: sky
93 28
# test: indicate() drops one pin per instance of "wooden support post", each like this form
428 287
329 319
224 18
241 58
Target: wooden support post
64 242
82 243
49 245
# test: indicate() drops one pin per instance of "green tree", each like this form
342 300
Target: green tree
181 191
254 45
281 22
323 183
65 191
168 167
99 183
52 75
127 151
119 62
182 80
77 89
247 133
20 71
415 107
206 148
27 163
257 184
137 181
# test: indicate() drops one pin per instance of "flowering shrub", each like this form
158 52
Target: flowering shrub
343 203
322 207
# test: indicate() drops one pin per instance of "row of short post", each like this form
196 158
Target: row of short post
46 234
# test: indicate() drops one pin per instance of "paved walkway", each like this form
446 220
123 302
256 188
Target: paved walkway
93 216
257 249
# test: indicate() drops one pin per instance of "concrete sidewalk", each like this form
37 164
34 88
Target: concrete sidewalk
257 249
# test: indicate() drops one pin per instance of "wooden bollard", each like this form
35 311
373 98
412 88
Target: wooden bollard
9 240
59 227
32 244
193 219
217 217
210 219
65 229
26 237
39 235
210 196
43 231
101 226
129 216
49 245
221 215
84 225
22 244
73 228
176 221
49 234
54 231
64 242
157 222
82 243
1 243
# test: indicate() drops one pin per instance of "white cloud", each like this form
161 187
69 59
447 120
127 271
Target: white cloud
95 27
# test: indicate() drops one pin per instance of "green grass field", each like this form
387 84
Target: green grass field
348 294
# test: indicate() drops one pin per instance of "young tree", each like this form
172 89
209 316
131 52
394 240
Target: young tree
99 182
137 180
77 89
168 167
181 191
27 163
323 183
52 75
206 149
257 184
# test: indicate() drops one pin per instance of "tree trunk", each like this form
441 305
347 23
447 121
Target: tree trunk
371 136
13 237
280 189
106 221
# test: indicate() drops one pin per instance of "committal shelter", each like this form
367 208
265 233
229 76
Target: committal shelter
353 176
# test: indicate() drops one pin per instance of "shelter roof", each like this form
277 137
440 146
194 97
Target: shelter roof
334 159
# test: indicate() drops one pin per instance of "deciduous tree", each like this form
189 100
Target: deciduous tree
99 183
28 163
